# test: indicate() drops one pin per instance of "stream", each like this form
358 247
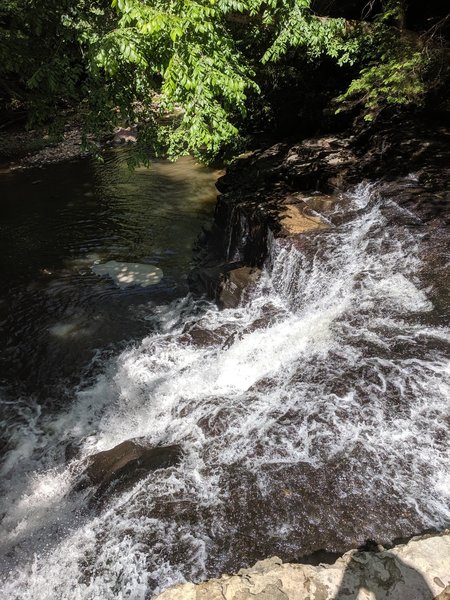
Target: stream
314 418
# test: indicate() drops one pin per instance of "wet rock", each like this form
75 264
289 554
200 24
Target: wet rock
234 337
298 218
225 283
200 336
269 316
126 463
206 280
236 285
321 203
279 190
417 570
72 450
216 423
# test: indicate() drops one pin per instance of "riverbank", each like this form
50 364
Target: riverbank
418 570
20 149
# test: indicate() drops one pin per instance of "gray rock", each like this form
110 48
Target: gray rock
415 571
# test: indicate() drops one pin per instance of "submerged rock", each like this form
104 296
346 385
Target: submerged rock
198 334
124 274
419 570
126 463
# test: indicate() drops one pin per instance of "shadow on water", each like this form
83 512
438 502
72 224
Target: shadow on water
55 224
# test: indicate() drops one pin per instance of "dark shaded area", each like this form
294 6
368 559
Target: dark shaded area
58 320
386 577
418 14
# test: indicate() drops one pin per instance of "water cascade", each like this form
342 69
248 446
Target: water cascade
312 418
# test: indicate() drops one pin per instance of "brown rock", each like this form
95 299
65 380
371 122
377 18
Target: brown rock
298 218
444 595
199 335
126 463
237 282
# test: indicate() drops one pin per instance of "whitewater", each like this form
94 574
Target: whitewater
317 419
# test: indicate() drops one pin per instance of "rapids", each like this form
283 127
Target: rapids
319 421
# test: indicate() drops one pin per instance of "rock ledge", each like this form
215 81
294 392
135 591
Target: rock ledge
418 570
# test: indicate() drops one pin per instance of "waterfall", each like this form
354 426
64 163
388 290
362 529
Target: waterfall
317 420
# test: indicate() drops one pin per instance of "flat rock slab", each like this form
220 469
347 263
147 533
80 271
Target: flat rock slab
419 570
297 218
125 274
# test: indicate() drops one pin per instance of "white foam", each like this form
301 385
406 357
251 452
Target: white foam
321 381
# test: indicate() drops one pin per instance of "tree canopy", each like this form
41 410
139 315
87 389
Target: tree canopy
127 61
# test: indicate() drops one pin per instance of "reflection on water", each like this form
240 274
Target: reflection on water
55 223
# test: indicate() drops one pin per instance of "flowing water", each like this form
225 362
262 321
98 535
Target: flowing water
316 418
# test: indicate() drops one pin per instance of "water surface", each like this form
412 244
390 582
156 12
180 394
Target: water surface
55 223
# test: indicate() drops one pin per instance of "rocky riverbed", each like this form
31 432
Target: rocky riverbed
289 191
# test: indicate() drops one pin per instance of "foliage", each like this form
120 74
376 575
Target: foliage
396 79
394 65
127 61
40 56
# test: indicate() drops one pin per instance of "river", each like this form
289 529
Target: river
317 419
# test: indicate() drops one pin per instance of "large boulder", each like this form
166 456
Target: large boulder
125 464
